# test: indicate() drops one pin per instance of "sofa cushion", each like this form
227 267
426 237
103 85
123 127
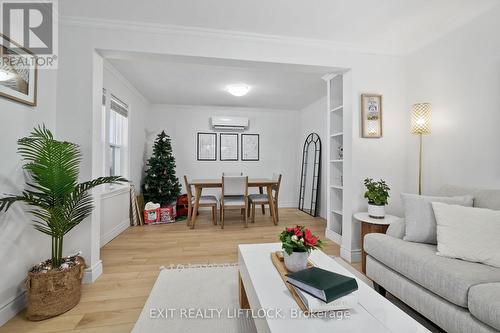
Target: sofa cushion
482 198
484 303
446 277
468 233
419 216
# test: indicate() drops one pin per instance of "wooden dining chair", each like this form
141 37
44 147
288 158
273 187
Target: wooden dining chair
205 201
263 199
234 196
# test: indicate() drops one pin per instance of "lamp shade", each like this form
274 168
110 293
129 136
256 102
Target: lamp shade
421 118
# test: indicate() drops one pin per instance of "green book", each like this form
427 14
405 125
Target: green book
325 285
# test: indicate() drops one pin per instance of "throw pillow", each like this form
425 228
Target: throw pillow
468 233
419 216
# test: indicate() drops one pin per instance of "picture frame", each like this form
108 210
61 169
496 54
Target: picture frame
371 116
19 80
228 146
250 147
206 146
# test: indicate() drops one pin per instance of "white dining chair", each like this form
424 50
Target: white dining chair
263 199
205 201
232 174
234 196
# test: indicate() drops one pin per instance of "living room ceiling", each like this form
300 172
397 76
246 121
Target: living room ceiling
384 26
183 80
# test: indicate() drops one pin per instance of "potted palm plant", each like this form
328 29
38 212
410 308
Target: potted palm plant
377 194
58 203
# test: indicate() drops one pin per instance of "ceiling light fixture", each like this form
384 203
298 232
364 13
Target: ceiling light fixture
5 76
238 90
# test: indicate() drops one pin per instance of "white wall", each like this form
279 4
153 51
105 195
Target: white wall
278 143
113 208
460 75
20 245
312 119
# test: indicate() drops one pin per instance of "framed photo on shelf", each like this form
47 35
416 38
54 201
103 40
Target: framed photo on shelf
371 116
250 147
228 150
206 146
18 72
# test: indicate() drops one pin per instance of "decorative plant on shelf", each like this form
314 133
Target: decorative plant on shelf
298 242
57 201
377 194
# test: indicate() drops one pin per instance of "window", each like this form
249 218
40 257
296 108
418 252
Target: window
117 135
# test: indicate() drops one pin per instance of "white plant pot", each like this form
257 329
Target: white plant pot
377 212
296 261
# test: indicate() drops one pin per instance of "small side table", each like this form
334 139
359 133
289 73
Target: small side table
371 225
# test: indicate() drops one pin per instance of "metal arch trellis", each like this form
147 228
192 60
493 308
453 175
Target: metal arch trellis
312 138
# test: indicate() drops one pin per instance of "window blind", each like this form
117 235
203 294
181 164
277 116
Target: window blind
118 106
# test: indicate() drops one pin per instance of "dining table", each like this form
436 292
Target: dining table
261 183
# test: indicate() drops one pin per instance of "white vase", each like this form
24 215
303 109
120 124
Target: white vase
296 261
377 212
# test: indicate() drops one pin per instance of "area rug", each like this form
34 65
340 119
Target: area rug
204 298
194 299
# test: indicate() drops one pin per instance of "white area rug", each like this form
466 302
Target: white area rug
189 300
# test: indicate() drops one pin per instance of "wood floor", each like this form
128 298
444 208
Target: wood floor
132 260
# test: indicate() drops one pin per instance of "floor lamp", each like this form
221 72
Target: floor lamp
420 124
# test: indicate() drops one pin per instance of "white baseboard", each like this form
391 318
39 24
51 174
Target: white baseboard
118 229
92 273
13 307
350 255
288 204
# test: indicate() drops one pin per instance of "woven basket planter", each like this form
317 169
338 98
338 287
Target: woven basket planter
54 292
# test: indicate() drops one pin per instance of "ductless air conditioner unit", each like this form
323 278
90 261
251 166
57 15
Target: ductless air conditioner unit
232 123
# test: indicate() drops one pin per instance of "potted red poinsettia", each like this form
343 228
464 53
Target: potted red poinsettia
297 243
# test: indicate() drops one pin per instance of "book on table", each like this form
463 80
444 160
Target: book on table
322 290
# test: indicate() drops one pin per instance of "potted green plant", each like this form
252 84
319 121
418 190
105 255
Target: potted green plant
377 194
58 203
298 242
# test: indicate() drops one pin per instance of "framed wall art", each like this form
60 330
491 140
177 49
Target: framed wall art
371 116
250 147
206 146
228 147
18 72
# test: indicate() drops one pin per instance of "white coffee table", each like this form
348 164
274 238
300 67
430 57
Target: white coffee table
261 287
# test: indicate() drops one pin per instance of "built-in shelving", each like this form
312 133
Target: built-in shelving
335 147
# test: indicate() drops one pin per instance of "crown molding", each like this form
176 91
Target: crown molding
169 29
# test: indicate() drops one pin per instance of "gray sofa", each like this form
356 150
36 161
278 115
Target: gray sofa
456 295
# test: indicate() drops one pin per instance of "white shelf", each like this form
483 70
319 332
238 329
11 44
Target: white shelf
335 237
337 187
340 107
337 134
336 161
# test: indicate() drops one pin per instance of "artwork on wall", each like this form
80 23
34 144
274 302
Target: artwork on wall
18 72
206 146
249 147
371 116
228 147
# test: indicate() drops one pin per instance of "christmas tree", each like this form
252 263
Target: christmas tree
161 184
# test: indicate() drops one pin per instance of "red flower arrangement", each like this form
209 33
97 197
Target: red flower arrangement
299 239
